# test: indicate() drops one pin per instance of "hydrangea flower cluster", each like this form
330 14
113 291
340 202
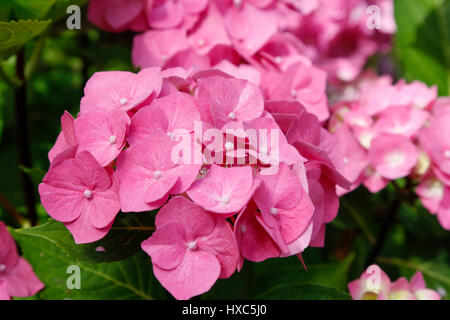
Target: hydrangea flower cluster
283 45
389 131
17 278
235 176
374 284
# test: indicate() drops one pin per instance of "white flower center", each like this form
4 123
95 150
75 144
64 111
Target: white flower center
237 3
170 135
231 116
274 211
395 159
192 245
2 267
88 194
157 174
447 153
263 150
112 139
278 60
201 42
123 101
225 199
346 160
163 57
293 93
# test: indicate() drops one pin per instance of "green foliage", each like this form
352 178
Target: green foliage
303 292
131 278
122 241
13 35
423 41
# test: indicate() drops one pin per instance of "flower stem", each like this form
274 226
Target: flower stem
23 145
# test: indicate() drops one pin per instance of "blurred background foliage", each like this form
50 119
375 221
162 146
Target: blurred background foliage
62 60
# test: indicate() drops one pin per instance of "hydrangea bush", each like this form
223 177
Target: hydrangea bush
244 127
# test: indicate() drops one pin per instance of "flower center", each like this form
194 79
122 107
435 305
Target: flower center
231 116
201 42
395 159
447 153
274 211
243 228
123 101
225 199
345 160
237 3
112 139
170 135
88 194
293 93
278 60
2 267
157 174
192 245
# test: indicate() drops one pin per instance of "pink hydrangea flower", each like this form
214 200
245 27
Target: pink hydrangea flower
82 194
148 174
110 90
374 284
66 138
102 134
4 295
393 156
17 278
224 190
190 248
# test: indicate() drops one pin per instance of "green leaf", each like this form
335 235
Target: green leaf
35 174
32 9
423 41
303 292
122 241
13 35
284 271
127 279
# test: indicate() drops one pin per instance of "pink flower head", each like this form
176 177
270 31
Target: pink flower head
110 90
155 47
223 100
285 207
149 171
372 283
82 194
255 244
174 13
355 158
302 82
375 284
174 114
118 15
102 134
435 139
419 288
224 190
250 28
190 248
17 278
66 138
393 156
4 295
405 121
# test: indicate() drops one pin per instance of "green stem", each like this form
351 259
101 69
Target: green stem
369 235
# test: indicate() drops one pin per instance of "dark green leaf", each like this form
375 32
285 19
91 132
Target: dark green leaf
127 279
303 292
122 241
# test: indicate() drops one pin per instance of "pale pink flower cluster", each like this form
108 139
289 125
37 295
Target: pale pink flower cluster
118 154
389 131
285 46
374 284
17 278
